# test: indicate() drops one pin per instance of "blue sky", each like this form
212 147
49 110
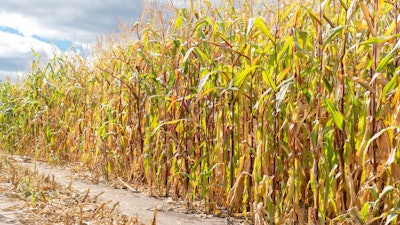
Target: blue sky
49 26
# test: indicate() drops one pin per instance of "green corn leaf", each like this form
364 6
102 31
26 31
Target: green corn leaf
365 211
201 56
336 115
267 77
204 80
102 131
260 24
383 63
343 4
389 86
377 40
384 192
313 15
178 22
288 43
204 22
387 58
241 77
283 89
287 11
334 32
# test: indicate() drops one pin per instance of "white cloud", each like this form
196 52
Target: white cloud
28 26
12 45
71 19
16 53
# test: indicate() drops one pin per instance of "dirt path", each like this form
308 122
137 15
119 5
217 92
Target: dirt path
130 203
10 209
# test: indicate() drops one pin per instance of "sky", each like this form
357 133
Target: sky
49 26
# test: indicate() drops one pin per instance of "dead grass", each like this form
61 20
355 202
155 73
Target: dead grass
46 202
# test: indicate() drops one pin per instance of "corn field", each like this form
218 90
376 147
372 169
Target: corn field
283 112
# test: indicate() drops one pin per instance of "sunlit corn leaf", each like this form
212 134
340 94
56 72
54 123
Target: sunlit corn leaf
376 40
382 64
334 32
206 21
239 79
390 217
203 81
389 87
202 56
284 87
337 116
260 24
288 44
364 212
178 21
267 77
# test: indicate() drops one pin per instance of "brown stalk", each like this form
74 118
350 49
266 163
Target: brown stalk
166 150
316 148
340 135
396 30
252 142
232 134
373 94
232 102
275 184
368 17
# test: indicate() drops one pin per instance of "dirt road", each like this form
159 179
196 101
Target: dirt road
130 203
10 209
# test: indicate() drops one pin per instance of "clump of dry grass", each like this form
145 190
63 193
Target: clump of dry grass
272 111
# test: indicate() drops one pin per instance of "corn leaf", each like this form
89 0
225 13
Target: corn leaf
389 87
241 77
267 77
288 43
384 192
392 216
382 64
334 32
260 24
178 22
337 117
